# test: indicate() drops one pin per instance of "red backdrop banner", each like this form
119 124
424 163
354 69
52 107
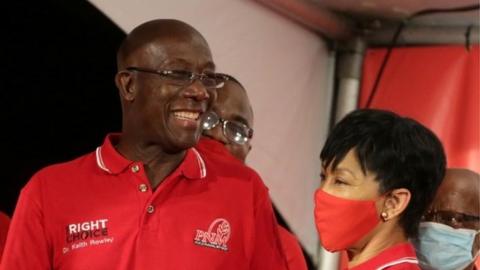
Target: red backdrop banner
437 86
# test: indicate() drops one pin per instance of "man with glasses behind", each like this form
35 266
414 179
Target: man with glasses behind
146 199
227 134
449 236
230 120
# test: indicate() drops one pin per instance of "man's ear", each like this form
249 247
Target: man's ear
124 82
395 203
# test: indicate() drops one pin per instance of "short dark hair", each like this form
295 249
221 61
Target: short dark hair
399 150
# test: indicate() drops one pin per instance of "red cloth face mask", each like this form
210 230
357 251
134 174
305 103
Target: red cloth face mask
342 222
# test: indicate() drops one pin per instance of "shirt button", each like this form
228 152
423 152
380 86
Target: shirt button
135 168
143 188
150 209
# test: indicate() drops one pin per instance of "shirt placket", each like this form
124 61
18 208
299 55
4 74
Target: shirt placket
150 199
144 193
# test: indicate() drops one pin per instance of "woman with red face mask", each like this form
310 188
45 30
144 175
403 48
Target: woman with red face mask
379 173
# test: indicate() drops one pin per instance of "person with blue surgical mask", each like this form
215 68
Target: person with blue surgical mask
449 236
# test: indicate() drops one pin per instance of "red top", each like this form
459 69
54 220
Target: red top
399 257
213 147
99 212
4 223
290 246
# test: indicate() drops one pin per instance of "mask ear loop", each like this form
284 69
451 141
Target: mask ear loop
478 251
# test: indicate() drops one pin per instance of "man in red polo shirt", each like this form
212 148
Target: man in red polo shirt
228 130
4 223
146 199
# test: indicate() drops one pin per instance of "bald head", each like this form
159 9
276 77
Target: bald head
162 44
142 37
462 178
151 100
459 192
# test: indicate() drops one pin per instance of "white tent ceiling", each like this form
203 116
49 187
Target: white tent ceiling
376 20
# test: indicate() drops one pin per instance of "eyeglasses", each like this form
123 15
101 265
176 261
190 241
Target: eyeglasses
234 131
453 219
183 78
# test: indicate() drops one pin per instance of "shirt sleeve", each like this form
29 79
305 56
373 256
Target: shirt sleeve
4 223
26 247
268 253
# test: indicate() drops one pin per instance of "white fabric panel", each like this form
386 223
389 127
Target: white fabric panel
287 73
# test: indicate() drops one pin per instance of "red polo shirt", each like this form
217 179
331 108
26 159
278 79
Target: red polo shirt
291 249
4 223
399 257
217 149
99 212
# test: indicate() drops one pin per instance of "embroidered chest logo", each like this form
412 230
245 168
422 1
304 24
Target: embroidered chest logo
88 233
217 235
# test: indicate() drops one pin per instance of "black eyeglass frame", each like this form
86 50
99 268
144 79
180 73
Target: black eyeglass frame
218 78
224 123
453 219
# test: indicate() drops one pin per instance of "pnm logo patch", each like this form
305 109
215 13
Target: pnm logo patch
217 235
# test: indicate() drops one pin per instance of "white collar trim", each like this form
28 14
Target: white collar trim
412 260
201 163
98 154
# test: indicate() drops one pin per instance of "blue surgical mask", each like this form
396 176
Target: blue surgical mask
442 247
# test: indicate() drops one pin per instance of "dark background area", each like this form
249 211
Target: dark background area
57 92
